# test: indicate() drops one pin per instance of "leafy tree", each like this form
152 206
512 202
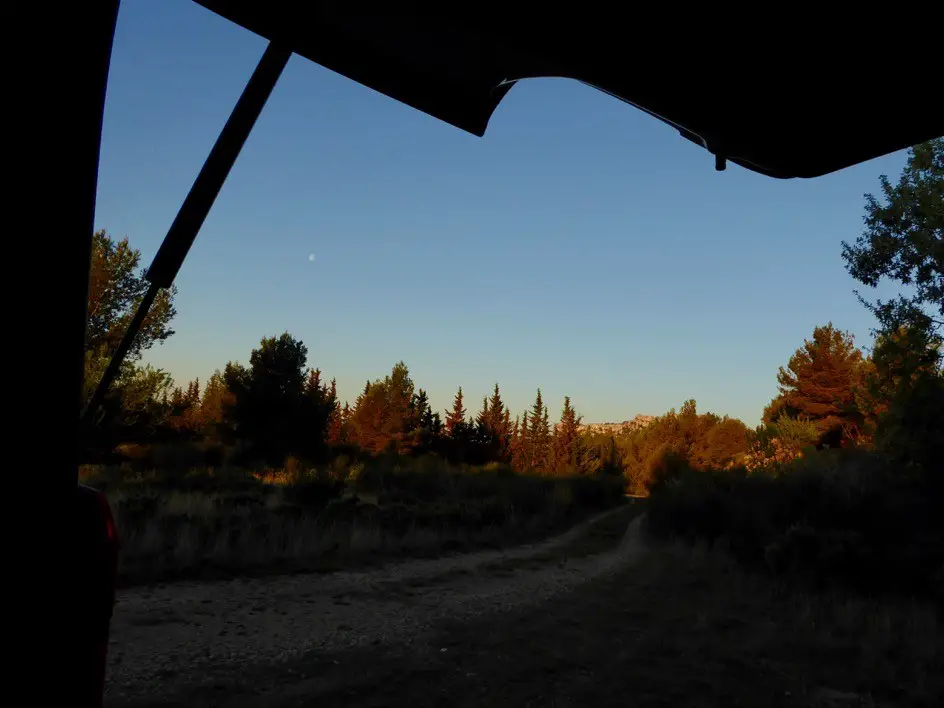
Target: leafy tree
599 455
185 415
819 384
677 441
724 443
906 387
215 398
134 411
275 405
116 287
115 290
567 440
904 241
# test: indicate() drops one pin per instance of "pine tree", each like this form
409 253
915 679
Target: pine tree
313 382
567 440
522 453
335 435
539 435
270 409
819 384
457 415
506 436
483 419
383 414
344 436
496 412
215 397
427 424
499 423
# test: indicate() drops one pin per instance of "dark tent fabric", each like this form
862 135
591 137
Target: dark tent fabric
784 102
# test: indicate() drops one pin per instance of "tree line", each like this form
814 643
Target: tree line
830 392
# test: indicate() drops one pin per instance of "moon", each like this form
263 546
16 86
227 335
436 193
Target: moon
311 257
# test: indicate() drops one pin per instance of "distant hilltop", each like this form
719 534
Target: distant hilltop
640 421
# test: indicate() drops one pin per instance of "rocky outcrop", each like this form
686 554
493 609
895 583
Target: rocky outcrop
640 421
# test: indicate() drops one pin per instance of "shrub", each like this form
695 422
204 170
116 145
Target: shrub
836 517
229 520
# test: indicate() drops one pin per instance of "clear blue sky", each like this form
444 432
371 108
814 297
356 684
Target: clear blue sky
580 246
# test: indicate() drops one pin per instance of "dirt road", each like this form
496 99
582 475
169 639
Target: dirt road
175 643
591 618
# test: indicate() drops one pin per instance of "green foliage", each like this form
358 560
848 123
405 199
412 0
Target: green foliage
275 405
907 382
115 289
780 442
904 241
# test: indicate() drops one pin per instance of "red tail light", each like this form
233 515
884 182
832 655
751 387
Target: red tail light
111 530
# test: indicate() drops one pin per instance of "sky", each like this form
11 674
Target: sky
581 246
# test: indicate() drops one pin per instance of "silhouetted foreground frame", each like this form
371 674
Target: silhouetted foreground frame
785 102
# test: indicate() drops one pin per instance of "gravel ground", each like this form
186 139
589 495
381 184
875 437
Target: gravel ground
168 640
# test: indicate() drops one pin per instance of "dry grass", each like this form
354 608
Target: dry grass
213 523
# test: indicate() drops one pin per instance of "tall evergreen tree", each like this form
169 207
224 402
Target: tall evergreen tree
426 426
211 403
819 383
344 427
383 418
496 413
334 435
521 455
499 422
539 436
484 418
505 436
456 416
548 449
567 440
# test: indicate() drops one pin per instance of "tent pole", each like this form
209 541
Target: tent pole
193 212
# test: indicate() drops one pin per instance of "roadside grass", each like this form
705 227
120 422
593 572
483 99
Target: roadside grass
217 523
